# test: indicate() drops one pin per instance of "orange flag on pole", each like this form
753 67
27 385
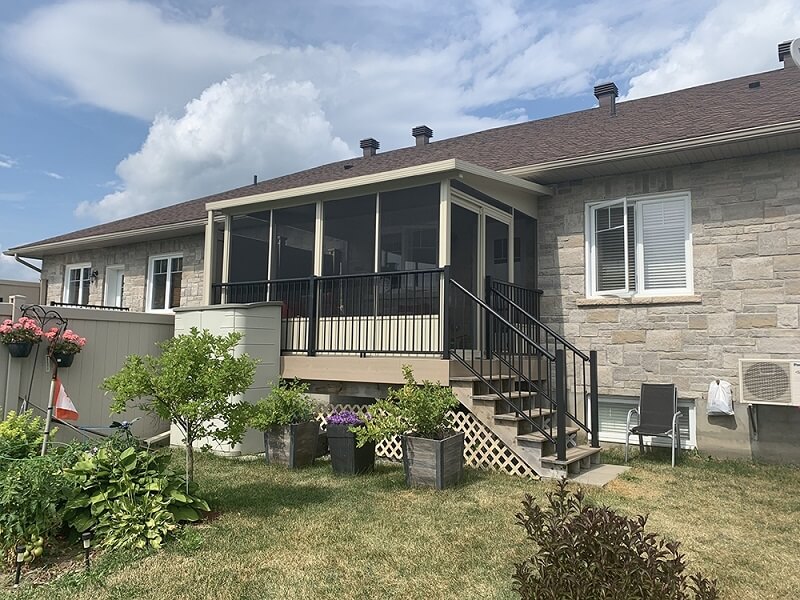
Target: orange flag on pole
65 409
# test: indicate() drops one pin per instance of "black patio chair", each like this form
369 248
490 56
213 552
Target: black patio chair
658 416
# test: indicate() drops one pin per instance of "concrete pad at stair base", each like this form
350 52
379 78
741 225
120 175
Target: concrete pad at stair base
599 475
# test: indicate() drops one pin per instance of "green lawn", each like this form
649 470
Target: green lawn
308 534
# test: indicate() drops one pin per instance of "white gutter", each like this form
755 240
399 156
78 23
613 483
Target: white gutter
439 167
714 139
66 245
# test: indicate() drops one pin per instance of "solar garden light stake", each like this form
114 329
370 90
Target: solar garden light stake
20 559
86 538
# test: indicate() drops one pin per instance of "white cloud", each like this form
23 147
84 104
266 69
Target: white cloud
297 106
126 56
6 162
53 174
251 123
735 38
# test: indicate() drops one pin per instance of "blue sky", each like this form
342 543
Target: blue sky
113 107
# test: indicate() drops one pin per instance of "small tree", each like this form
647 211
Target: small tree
189 384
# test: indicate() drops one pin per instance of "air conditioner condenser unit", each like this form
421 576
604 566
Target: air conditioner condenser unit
769 381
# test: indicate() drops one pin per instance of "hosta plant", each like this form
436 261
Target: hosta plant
593 553
129 498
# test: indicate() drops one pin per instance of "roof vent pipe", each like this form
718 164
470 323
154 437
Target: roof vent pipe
606 94
370 146
422 134
785 54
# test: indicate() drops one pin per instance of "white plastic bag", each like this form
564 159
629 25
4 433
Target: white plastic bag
720 400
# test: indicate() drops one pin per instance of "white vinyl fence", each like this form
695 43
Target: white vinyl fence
111 336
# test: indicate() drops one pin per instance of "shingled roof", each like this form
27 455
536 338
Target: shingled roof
714 108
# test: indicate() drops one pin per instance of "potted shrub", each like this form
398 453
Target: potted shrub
64 346
20 337
433 454
346 457
286 417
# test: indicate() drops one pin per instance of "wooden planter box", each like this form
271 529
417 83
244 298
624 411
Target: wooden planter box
292 445
433 463
346 457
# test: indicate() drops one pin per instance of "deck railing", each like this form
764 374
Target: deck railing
497 337
92 306
375 313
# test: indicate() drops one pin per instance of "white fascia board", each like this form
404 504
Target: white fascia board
440 167
39 250
714 139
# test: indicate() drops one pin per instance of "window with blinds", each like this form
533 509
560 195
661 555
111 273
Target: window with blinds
613 414
640 245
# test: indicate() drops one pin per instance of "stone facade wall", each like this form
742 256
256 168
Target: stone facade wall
746 303
135 258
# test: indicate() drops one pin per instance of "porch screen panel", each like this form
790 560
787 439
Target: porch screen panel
292 256
409 241
525 250
348 248
249 255
293 241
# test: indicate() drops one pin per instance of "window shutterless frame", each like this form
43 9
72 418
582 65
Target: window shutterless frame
83 272
640 204
151 281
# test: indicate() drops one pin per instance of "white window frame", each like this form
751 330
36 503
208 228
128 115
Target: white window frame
639 291
107 291
631 402
67 270
151 272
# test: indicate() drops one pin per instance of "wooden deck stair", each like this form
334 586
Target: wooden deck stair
516 431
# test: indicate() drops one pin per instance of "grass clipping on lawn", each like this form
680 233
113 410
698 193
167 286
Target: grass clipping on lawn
309 534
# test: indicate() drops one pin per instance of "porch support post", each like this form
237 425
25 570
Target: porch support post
561 404
487 297
312 316
593 399
444 312
209 259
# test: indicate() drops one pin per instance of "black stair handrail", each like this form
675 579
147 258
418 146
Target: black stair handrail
561 339
589 397
486 372
508 324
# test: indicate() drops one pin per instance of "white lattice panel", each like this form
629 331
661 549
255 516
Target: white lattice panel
482 448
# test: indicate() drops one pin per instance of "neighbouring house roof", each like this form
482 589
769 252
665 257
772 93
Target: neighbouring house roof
707 110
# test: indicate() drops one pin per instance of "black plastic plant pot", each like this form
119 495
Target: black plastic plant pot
292 445
346 457
64 360
433 463
20 349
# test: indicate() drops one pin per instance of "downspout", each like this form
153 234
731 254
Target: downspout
22 261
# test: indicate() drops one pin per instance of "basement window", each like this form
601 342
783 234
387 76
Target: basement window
613 413
639 246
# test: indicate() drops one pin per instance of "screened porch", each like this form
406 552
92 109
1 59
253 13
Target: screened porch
366 271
